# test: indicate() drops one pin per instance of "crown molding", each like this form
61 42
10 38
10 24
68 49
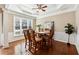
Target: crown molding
56 13
18 13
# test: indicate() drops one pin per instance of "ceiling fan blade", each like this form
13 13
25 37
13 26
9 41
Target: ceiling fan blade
44 7
43 10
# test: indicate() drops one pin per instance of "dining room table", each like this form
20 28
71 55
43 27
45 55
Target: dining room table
42 34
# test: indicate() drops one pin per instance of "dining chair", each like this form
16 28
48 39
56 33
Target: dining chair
25 35
48 37
27 38
35 42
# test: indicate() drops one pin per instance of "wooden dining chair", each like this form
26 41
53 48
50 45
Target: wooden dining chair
35 42
48 37
27 37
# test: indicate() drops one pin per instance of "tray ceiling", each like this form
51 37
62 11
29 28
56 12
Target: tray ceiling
51 8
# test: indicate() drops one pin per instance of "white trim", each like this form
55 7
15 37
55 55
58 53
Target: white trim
18 13
74 39
59 6
55 13
20 19
77 46
77 43
59 36
11 38
5 28
1 39
63 37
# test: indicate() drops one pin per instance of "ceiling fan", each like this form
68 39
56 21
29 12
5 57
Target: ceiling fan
41 7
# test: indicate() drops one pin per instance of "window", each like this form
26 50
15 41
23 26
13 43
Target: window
20 24
24 24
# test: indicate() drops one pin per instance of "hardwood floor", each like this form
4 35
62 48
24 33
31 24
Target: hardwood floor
58 48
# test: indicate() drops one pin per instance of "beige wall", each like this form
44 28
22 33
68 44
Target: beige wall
0 22
34 24
60 20
10 22
0 19
10 28
77 18
77 25
2 5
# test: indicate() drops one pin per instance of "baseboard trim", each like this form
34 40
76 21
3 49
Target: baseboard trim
63 37
59 36
77 42
77 47
16 41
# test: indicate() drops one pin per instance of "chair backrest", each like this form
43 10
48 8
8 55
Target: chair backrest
32 34
46 28
51 33
26 34
52 30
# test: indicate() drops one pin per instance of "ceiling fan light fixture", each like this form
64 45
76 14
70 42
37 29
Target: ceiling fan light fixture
40 7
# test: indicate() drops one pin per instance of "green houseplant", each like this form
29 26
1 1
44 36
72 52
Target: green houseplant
39 27
69 29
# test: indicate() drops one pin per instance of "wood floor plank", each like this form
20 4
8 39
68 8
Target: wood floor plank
58 48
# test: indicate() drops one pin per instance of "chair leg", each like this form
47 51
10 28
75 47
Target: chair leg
29 46
25 44
51 42
41 45
35 48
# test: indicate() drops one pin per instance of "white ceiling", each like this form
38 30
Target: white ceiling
52 8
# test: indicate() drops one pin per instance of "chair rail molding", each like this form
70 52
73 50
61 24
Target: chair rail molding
77 42
63 37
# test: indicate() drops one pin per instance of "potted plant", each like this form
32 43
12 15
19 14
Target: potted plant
69 29
39 27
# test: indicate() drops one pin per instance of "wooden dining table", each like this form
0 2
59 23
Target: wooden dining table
42 35
43 32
